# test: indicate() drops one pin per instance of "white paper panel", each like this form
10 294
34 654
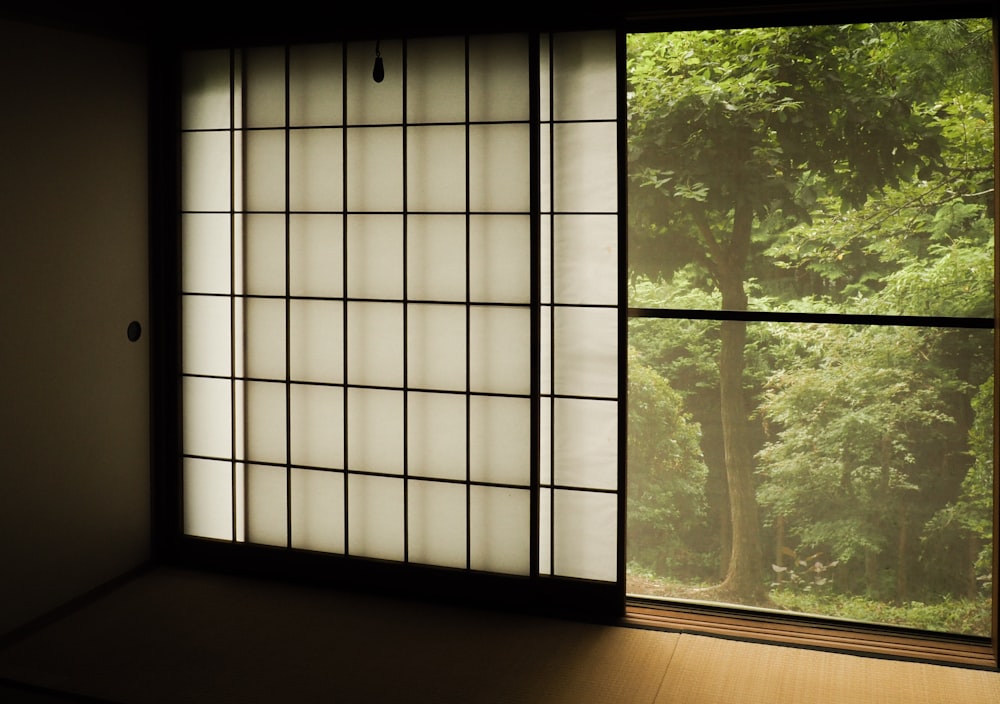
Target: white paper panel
372 103
436 347
205 335
265 170
584 75
586 249
375 430
264 252
435 168
317 341
586 349
500 530
499 164
205 253
545 440
498 78
435 257
375 169
316 171
318 510
205 87
208 417
375 517
375 344
436 523
586 535
586 167
500 353
208 498
500 258
265 338
205 171
317 426
586 443
435 80
436 435
500 439
265 87
315 89
266 505
375 256
545 349
316 255
266 409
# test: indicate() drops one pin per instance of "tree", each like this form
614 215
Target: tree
733 138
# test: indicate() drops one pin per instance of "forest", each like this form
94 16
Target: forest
811 345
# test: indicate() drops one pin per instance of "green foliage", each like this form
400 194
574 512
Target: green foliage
966 616
666 474
863 155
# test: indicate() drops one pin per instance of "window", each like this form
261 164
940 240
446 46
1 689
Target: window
812 348
408 330
400 303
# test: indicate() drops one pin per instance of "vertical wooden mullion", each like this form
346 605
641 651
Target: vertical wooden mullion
468 320
406 341
344 296
288 309
535 199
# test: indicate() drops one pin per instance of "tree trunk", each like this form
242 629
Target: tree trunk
744 580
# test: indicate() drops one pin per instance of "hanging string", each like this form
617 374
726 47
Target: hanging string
378 73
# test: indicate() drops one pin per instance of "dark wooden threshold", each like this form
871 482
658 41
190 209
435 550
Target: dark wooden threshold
817 634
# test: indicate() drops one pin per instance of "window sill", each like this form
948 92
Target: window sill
804 632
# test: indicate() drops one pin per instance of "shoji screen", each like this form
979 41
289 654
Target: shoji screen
400 301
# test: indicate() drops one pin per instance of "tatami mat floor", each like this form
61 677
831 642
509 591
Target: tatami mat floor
173 636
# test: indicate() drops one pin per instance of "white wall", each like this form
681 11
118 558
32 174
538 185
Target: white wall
74 440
